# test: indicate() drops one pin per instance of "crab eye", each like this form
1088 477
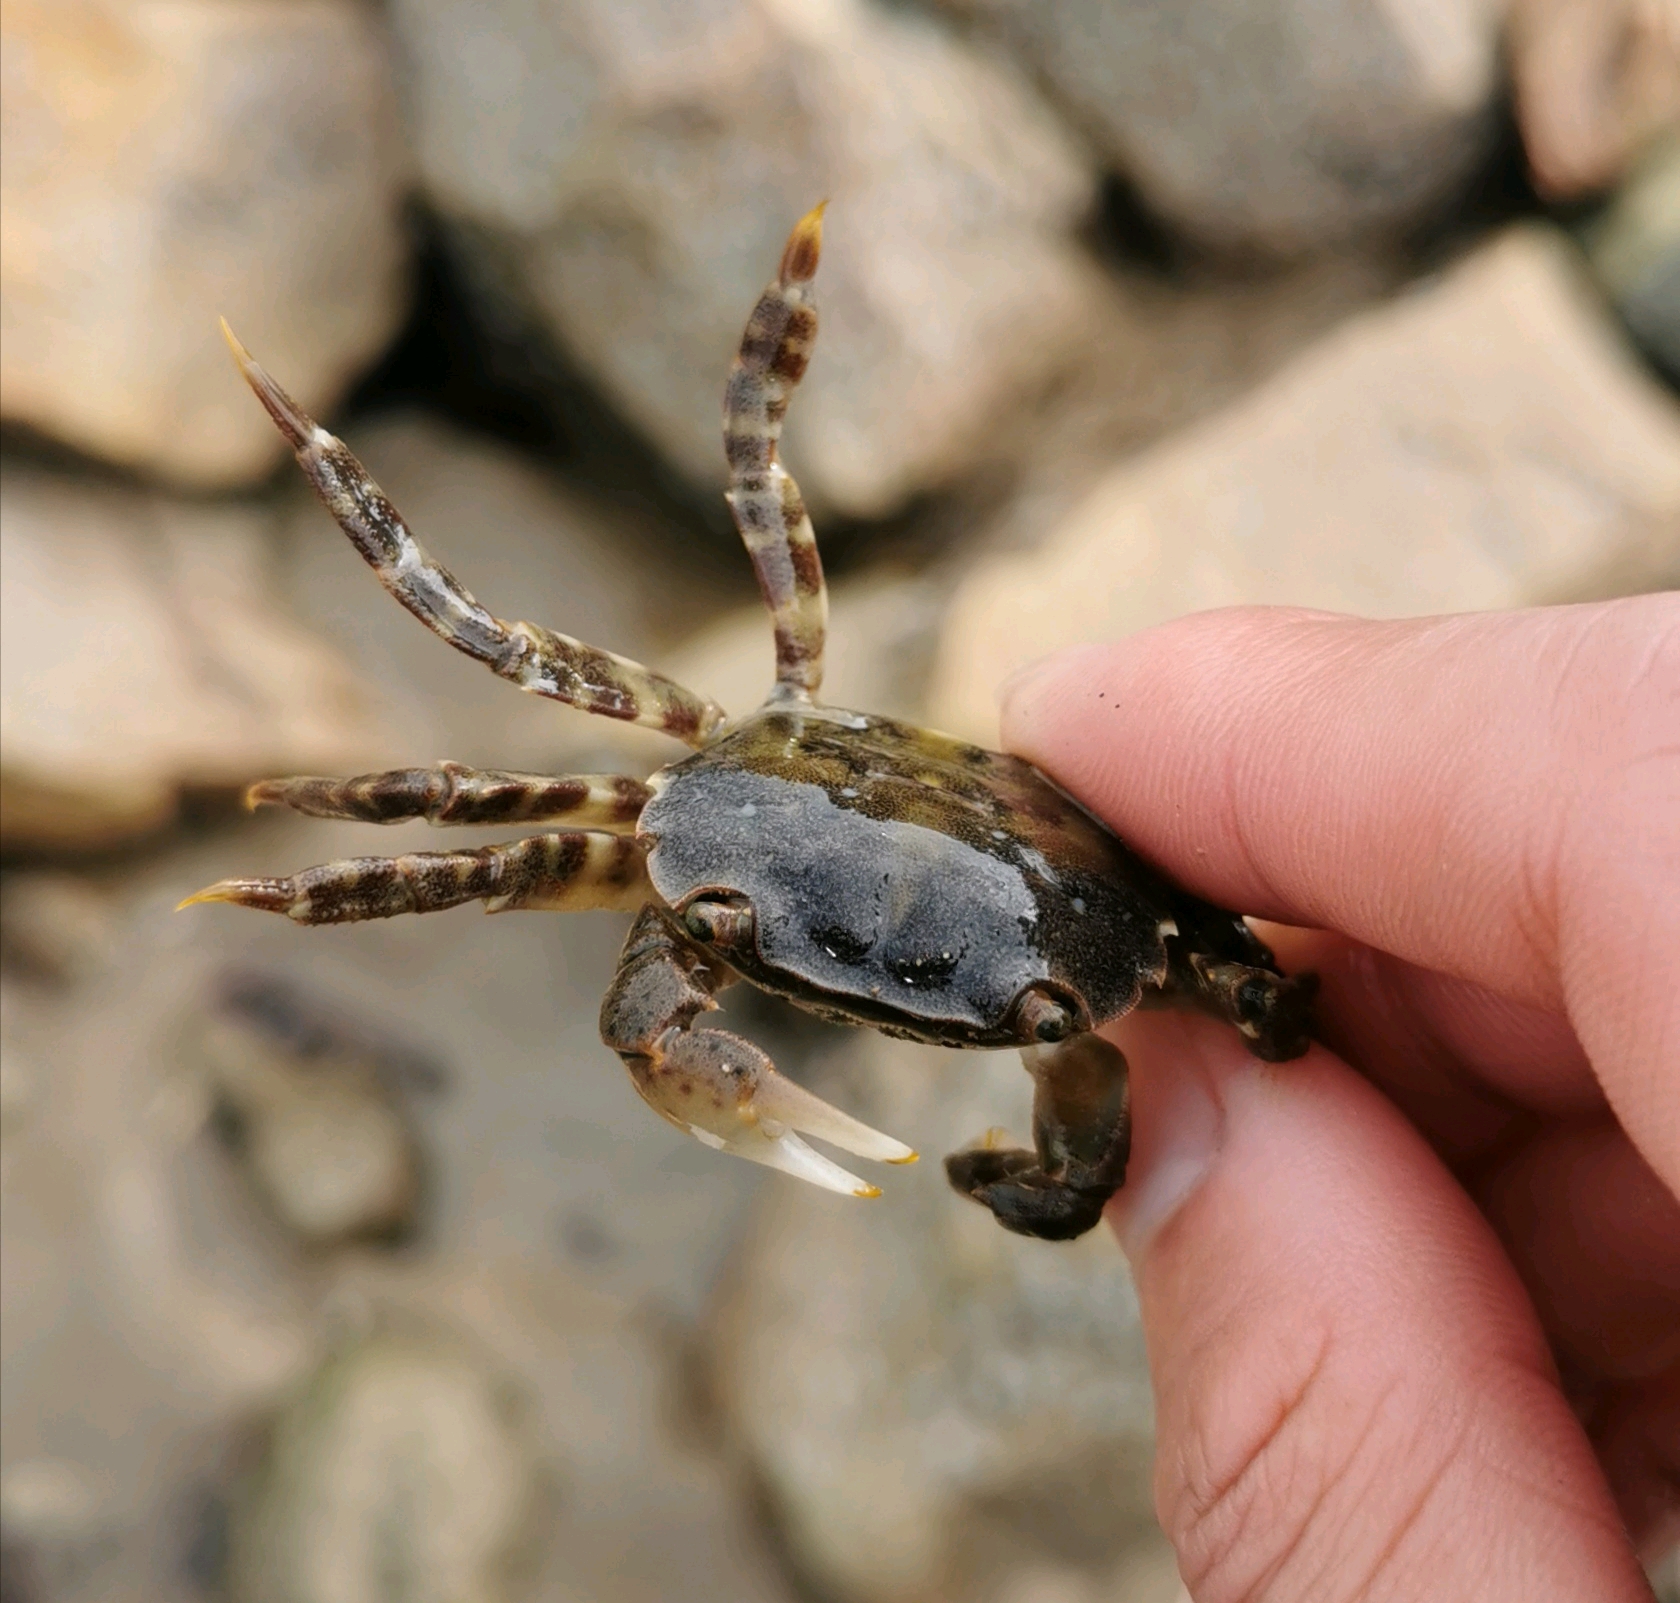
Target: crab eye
718 922
1045 1018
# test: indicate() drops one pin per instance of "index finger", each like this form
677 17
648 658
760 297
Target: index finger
1495 796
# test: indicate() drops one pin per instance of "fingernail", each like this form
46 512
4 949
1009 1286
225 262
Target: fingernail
1178 1122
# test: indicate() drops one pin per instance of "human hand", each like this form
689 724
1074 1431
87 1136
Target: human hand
1412 1302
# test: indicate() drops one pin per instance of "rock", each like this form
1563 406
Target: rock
143 652
1595 81
145 1301
1634 251
629 171
633 1508
883 628
1482 442
937 1409
1282 127
171 160
406 1472
314 1112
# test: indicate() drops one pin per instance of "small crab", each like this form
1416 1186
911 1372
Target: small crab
866 870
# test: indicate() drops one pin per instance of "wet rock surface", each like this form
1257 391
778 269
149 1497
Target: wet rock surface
167 163
629 171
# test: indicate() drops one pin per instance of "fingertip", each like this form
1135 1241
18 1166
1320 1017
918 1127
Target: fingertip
1326 1313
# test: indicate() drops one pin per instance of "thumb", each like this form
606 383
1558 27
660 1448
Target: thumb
1353 1395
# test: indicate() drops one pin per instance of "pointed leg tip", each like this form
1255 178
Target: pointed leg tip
265 895
236 345
289 417
867 1191
804 247
909 1157
222 891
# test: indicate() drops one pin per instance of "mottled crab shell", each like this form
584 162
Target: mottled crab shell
904 879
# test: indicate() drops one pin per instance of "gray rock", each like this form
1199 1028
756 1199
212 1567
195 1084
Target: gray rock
936 1408
1634 251
166 163
1283 126
1485 441
405 1472
143 651
629 172
314 1110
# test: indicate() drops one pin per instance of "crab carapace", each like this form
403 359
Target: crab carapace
869 871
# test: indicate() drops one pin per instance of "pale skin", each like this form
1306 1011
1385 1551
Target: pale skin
1413 1301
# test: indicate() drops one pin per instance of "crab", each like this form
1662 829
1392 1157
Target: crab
868 871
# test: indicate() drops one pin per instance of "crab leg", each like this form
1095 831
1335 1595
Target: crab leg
571 872
452 794
1081 1136
765 501
718 1087
534 658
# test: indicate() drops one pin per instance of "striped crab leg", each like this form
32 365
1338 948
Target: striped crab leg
534 658
452 794
767 506
569 872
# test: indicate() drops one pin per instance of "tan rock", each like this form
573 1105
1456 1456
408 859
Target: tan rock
1595 81
882 631
629 170
143 651
169 161
1484 441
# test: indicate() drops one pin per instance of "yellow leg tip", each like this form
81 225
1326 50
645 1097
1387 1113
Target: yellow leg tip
240 354
210 893
867 1191
804 248
911 1158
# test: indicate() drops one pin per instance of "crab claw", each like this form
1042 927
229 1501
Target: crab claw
727 1094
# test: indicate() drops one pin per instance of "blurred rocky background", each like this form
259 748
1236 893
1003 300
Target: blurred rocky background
345 1264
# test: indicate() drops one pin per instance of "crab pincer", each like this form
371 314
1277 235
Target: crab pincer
717 1086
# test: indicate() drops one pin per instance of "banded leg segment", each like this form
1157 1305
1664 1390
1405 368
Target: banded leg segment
767 506
718 1087
571 872
532 657
452 794
1218 965
1082 1133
